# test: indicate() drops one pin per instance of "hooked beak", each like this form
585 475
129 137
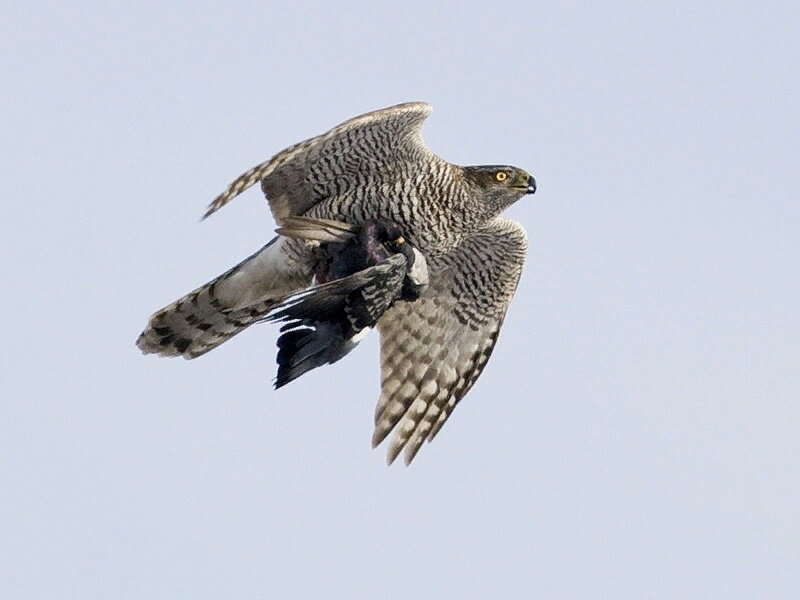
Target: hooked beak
531 189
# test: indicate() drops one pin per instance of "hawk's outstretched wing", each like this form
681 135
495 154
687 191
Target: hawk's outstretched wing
434 349
365 147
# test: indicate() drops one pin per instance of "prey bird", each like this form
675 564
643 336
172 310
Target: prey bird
361 272
376 166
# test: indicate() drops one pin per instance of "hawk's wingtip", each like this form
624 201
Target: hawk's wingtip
392 453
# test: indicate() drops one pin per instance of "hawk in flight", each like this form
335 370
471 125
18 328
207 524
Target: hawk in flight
376 166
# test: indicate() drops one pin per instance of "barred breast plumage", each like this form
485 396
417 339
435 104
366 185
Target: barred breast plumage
377 166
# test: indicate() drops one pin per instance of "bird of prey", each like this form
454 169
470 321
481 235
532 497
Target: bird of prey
362 271
376 166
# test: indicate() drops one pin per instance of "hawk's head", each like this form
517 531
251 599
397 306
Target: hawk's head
501 185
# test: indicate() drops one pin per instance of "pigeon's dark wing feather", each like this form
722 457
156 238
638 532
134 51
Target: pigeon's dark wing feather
364 296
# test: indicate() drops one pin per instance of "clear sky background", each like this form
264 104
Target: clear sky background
635 434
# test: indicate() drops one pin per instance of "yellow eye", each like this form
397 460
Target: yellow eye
501 176
400 240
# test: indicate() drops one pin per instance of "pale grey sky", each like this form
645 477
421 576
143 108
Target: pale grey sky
635 434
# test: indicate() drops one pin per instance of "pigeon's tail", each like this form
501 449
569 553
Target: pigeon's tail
215 312
316 329
303 348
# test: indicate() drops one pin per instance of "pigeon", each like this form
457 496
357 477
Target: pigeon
360 273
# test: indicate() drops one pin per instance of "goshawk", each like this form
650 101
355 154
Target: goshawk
376 166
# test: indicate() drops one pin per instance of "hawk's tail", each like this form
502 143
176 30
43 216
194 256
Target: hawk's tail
215 312
192 325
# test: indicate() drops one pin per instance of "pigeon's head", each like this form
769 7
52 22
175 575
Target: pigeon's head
390 235
416 280
500 185
376 232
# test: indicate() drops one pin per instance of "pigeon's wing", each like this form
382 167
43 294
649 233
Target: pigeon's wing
358 150
434 349
364 296
315 327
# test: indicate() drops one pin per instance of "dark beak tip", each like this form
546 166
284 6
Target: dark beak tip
531 186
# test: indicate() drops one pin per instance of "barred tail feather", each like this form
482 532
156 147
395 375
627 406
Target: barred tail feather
190 326
215 312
